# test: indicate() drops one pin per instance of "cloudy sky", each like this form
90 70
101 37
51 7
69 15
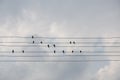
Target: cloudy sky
60 18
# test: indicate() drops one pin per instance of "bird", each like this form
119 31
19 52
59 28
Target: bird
41 42
80 51
33 42
72 51
54 45
48 45
73 42
23 51
63 51
32 36
54 51
13 51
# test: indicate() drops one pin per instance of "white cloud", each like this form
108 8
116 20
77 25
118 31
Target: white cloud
60 18
110 72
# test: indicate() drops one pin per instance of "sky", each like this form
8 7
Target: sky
60 18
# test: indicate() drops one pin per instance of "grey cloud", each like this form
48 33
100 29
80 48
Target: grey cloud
110 72
57 18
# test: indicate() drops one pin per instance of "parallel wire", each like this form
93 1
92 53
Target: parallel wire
71 61
59 37
74 52
54 55
50 46
33 37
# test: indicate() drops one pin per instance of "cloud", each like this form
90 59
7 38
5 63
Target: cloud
59 18
110 72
